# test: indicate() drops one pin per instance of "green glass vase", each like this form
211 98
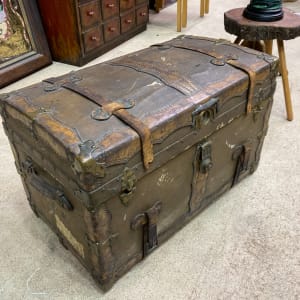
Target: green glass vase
264 10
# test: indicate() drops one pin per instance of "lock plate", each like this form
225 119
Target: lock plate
205 113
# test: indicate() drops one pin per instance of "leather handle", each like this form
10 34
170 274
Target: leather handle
45 188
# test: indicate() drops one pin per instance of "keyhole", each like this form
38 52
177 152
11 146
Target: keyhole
205 117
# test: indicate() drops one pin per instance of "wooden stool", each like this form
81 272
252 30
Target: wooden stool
182 12
285 29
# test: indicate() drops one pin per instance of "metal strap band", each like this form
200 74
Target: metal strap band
233 62
142 130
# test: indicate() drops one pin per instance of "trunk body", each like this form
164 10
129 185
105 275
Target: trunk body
117 157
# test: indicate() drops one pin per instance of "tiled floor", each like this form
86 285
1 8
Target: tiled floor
245 246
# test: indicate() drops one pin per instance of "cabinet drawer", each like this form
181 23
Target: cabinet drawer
142 15
127 22
89 14
92 39
110 8
111 29
126 4
138 2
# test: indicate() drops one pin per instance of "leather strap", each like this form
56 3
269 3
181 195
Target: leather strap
233 62
114 108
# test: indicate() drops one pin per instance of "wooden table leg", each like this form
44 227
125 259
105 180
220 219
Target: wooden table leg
269 46
202 7
179 14
206 6
184 13
285 80
159 4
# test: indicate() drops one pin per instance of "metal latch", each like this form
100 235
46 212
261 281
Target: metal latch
205 158
242 155
205 112
128 186
148 220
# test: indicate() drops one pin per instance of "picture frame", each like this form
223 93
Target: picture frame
36 54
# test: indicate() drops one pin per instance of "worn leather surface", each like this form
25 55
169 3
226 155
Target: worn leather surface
165 94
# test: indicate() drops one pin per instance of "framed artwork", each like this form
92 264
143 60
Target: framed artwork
23 44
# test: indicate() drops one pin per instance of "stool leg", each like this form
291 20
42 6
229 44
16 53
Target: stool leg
269 46
158 5
179 14
285 80
206 6
202 8
184 13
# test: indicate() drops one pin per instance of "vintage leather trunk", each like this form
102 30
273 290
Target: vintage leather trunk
117 157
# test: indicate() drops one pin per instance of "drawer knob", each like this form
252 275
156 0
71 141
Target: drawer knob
128 21
91 13
112 29
110 5
143 14
93 38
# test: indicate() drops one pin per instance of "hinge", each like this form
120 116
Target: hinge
128 186
262 97
148 220
256 110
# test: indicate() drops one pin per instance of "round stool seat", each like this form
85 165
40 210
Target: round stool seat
248 30
285 29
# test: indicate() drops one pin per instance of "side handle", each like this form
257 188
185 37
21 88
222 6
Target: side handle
44 187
